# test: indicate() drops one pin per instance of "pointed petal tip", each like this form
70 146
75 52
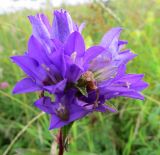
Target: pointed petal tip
14 58
82 26
141 98
14 91
135 55
145 85
111 109
110 36
114 110
59 12
52 127
30 17
11 58
25 85
118 28
35 103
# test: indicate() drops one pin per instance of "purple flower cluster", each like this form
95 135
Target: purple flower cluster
81 79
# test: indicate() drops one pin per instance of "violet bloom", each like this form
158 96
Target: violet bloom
57 73
103 77
106 76
63 110
109 69
62 26
81 79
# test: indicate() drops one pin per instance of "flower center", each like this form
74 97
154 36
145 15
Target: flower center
48 81
62 113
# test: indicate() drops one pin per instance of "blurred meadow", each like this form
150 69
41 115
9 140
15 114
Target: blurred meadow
133 130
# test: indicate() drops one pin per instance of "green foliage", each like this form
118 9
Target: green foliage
133 130
83 90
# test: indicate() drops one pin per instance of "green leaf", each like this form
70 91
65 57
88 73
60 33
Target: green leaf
65 132
66 129
83 90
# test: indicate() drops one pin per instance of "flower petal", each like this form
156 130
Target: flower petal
25 85
45 104
62 25
111 37
36 51
58 87
73 73
41 26
125 56
76 112
59 61
92 53
30 66
81 27
75 43
133 94
139 86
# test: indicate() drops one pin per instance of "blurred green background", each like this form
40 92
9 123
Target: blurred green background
133 130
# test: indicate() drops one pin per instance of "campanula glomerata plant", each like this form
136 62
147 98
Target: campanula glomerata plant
81 80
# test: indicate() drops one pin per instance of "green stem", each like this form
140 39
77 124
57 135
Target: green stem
62 138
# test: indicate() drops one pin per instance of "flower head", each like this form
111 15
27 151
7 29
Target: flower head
63 110
81 79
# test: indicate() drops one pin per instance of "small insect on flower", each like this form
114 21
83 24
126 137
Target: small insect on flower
88 77
81 80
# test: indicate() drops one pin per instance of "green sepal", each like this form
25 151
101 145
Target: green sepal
83 90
